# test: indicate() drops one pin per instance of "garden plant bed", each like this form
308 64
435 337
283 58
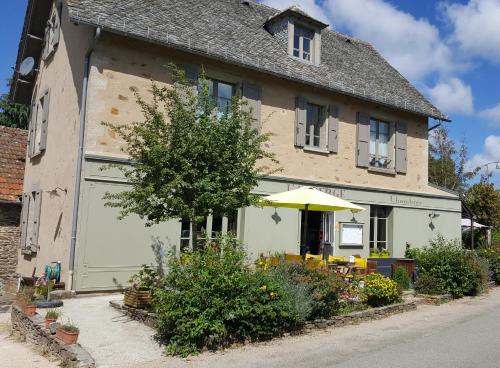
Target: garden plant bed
149 319
141 315
362 316
33 330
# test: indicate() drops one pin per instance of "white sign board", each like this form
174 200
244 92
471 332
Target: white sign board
352 233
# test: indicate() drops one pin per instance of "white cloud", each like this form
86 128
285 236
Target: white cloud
413 46
309 6
490 153
476 27
453 96
493 114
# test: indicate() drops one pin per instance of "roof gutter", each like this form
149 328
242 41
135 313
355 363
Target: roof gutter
79 162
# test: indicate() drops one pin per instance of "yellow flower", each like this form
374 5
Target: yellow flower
272 294
263 287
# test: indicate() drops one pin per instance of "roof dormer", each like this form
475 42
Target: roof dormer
299 33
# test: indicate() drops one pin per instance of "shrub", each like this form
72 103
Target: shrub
459 271
430 285
492 256
402 278
212 299
323 287
146 279
380 290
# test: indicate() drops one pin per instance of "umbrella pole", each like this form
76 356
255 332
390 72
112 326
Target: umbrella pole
304 233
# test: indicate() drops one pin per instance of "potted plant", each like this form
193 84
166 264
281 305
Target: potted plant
26 301
139 295
50 317
67 333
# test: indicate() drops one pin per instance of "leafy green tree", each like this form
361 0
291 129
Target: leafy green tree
447 162
188 159
13 114
484 202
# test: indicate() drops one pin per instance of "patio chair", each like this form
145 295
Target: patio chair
293 258
314 264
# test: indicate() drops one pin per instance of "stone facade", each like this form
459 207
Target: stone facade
9 240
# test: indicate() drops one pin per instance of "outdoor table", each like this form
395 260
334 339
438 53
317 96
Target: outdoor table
337 265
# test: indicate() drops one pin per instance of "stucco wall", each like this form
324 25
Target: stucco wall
54 171
122 63
9 243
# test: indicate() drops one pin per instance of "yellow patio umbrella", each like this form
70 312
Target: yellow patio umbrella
308 198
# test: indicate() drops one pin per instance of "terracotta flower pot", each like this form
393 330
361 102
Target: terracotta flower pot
48 321
29 310
69 338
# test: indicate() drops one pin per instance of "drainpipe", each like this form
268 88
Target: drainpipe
79 161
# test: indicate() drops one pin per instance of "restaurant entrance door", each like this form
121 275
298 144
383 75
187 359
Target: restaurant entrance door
314 233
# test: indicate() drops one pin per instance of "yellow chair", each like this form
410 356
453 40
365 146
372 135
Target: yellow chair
319 257
314 263
335 259
293 258
361 262
273 261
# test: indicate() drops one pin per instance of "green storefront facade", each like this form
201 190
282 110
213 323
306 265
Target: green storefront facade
109 250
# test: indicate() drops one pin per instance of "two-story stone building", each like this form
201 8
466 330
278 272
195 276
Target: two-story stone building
343 120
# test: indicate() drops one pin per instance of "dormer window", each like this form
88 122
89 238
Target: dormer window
299 33
302 43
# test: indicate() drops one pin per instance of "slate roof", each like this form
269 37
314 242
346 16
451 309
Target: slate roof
12 159
233 31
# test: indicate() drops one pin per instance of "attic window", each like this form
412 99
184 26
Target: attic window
302 43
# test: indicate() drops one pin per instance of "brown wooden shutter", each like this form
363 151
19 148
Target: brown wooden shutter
36 220
24 220
45 121
363 144
401 154
300 121
31 135
252 94
57 25
333 128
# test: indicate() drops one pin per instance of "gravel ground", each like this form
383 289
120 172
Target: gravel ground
112 339
16 354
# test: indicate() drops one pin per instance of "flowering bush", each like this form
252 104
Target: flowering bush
146 279
380 290
215 299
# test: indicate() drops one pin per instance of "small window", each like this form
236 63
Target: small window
378 227
314 125
221 93
302 43
380 137
217 225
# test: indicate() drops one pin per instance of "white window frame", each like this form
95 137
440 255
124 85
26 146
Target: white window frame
374 244
328 219
208 229
302 30
375 160
215 92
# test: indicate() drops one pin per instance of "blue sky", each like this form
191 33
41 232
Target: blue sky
450 50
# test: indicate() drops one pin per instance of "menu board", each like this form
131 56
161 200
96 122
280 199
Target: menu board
352 233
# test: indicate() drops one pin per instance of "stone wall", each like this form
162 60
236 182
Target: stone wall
9 241
32 329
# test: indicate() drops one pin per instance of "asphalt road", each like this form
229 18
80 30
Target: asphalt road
461 334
